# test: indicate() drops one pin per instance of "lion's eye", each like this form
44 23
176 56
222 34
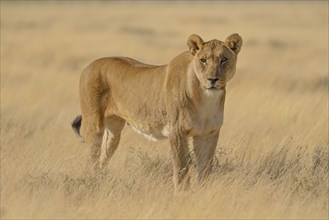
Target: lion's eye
224 60
203 60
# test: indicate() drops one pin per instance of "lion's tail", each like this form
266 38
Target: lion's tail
76 125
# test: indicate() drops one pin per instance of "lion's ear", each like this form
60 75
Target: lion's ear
234 42
194 43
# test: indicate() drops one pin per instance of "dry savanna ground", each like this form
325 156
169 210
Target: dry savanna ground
272 156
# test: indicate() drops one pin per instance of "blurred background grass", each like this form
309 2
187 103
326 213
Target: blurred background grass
272 156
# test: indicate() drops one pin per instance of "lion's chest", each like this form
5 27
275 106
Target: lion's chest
208 115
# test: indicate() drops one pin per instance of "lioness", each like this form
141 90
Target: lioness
180 100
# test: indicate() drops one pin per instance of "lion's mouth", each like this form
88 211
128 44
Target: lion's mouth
215 87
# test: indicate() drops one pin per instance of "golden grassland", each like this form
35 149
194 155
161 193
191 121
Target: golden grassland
272 156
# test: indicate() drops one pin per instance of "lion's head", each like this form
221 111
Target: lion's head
214 61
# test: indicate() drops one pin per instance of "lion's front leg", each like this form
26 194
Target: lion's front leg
180 160
204 149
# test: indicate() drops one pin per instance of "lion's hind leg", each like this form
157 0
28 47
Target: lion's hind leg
111 138
93 130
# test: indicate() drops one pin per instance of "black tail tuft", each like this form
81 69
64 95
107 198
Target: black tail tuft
76 125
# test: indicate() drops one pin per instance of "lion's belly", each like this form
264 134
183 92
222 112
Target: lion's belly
159 133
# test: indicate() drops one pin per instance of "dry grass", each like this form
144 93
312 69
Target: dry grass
272 157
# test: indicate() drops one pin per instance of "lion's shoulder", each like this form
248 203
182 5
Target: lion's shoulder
180 60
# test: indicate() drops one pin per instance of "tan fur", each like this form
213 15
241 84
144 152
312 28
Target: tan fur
175 101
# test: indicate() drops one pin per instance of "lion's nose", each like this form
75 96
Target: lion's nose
213 80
